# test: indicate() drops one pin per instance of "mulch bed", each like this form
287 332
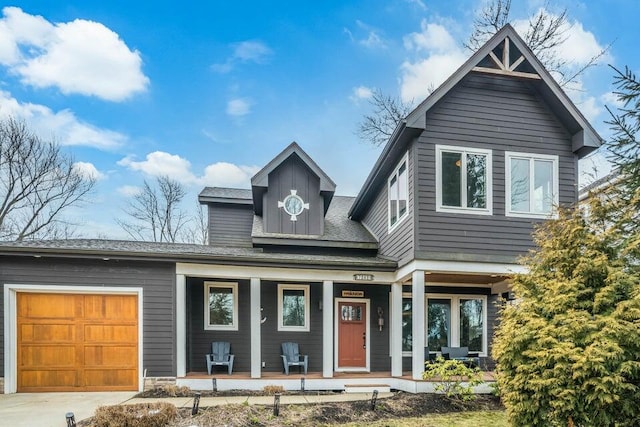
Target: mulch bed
400 405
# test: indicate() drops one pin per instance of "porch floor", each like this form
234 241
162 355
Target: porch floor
488 376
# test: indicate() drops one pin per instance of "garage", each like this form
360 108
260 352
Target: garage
76 342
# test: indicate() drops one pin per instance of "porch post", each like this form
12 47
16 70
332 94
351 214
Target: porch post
256 343
396 329
181 325
327 329
417 335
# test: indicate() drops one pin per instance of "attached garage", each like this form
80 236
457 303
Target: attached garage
77 342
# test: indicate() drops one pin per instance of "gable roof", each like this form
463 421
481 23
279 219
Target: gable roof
239 196
260 181
585 139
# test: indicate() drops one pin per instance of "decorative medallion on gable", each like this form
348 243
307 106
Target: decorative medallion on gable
293 205
506 60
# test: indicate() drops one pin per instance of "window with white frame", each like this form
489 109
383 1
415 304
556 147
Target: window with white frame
221 306
398 192
457 321
293 307
532 184
463 180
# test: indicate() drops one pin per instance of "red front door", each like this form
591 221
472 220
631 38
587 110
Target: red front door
352 335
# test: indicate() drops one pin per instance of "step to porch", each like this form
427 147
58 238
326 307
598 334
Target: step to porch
366 388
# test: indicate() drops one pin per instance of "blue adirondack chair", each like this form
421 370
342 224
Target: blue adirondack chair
220 356
291 357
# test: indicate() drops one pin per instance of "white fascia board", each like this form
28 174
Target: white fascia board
286 274
460 267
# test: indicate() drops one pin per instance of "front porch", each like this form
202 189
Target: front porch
314 381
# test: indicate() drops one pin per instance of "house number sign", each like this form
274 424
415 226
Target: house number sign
363 277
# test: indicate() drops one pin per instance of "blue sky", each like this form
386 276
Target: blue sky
209 92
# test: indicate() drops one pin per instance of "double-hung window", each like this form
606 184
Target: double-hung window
532 184
293 307
463 180
221 306
398 194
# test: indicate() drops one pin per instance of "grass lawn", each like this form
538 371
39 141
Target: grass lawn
461 419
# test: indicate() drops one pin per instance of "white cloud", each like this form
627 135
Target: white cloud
160 163
590 107
371 38
129 190
221 174
224 174
89 170
438 57
246 51
611 99
78 57
361 92
62 126
419 3
239 107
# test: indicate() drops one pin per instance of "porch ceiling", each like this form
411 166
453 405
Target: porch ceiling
471 279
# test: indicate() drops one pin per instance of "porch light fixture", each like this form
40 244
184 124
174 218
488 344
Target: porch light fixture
320 305
380 318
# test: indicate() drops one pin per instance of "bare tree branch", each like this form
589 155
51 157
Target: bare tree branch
155 213
378 126
37 184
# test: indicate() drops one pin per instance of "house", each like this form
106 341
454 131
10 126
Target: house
374 283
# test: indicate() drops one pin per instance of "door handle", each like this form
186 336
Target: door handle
364 340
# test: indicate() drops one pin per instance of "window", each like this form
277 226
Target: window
407 324
463 180
221 306
293 307
456 321
532 184
398 194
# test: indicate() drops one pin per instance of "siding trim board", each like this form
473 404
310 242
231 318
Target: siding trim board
10 322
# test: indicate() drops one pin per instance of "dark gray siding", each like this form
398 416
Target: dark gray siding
500 114
199 340
493 321
293 174
230 225
397 244
310 342
379 340
156 278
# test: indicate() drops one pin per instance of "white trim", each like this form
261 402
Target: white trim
307 307
327 330
366 301
464 151
181 325
399 219
395 319
10 322
234 293
237 272
454 337
508 156
419 320
404 273
255 327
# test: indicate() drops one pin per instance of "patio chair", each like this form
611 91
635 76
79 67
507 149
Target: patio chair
220 356
462 354
291 357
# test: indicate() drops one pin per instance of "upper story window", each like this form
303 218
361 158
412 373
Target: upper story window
398 194
463 180
221 306
532 184
293 308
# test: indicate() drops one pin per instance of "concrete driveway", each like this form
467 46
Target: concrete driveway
49 409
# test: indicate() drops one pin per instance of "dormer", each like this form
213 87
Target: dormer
292 194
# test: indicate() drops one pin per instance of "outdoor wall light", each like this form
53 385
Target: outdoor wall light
320 305
262 318
380 318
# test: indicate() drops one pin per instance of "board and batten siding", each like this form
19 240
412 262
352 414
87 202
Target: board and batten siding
500 114
397 243
230 225
293 174
157 279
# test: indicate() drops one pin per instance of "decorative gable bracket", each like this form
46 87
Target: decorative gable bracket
501 57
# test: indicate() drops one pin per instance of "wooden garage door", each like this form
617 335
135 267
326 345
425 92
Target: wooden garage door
70 342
